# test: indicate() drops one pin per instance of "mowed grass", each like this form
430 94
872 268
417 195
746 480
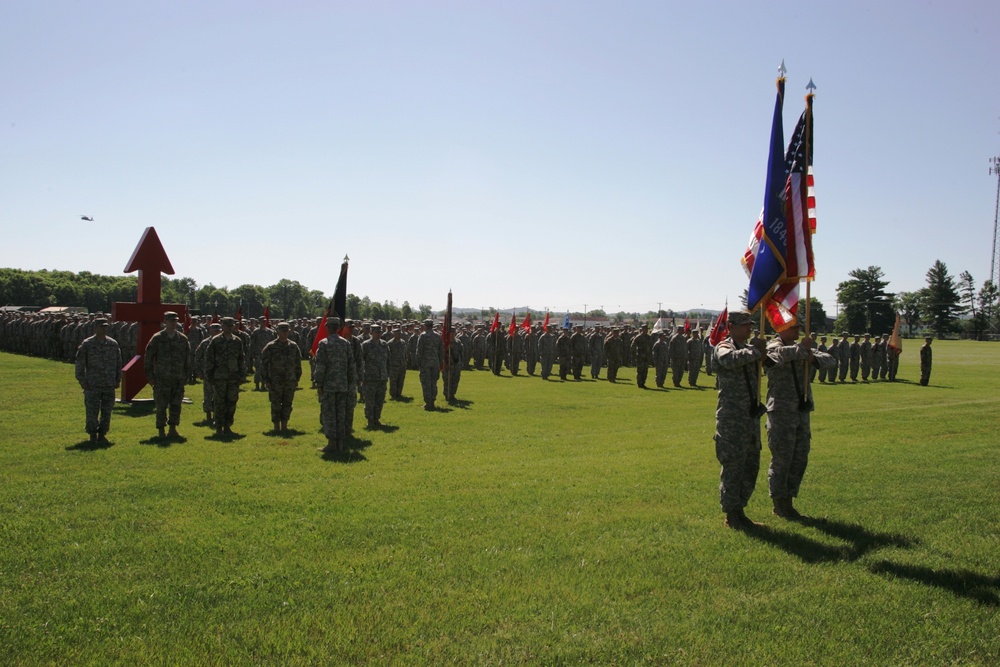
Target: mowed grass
535 523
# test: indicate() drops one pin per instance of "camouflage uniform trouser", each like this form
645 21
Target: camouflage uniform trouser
333 415
661 374
225 394
844 368
546 366
451 382
596 362
397 376
352 403
693 372
855 367
168 393
429 382
208 403
641 372
98 404
788 438
281 397
678 368
613 366
739 453
374 399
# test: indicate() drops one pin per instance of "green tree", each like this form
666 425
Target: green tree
817 315
941 300
967 289
866 304
424 310
908 305
406 311
989 300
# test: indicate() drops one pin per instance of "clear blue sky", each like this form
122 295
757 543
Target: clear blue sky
551 154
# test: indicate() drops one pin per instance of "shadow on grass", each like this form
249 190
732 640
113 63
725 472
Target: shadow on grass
165 441
460 403
287 433
135 409
963 583
89 446
225 437
402 399
858 541
351 452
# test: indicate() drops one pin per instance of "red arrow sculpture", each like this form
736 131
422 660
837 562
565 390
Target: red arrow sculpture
149 259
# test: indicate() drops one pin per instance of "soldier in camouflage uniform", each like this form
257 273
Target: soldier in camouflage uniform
581 351
855 357
259 338
564 352
397 364
99 372
878 356
642 355
789 402
208 401
430 356
614 353
225 368
596 343
547 352
866 358
455 352
678 355
167 362
843 356
737 419
696 351
661 357
336 377
375 353
280 369
926 360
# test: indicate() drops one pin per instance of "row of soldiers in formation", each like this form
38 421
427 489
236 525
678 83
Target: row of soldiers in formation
872 358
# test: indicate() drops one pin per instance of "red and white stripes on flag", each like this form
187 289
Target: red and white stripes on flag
800 201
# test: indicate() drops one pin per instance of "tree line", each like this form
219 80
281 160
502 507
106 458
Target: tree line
940 307
286 299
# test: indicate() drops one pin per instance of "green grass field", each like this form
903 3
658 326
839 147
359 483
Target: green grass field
536 523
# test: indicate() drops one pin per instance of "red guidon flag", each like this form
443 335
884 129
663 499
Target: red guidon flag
721 328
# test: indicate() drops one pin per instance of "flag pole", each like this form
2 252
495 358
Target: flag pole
809 102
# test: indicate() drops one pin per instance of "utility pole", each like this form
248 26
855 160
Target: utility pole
995 259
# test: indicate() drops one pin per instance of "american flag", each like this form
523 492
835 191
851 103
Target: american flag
800 200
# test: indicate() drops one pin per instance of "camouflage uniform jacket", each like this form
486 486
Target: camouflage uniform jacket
736 380
430 350
225 359
376 360
397 353
167 358
784 369
335 368
99 363
642 351
281 363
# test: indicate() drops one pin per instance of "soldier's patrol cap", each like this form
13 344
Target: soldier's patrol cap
228 320
376 327
868 335
101 322
283 326
428 323
740 317
170 316
333 323
397 330
644 326
214 326
347 322
843 334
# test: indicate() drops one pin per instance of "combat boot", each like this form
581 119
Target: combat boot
284 426
172 432
783 508
101 438
277 427
734 520
93 437
208 417
747 521
161 431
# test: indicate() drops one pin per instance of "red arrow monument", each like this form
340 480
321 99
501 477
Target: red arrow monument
150 260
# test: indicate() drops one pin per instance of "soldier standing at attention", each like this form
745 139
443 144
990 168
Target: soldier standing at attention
789 402
581 351
925 362
455 352
397 364
336 377
661 357
642 353
225 368
822 348
259 338
280 369
844 356
547 352
375 353
614 352
99 372
678 355
167 363
208 402
695 353
430 356
359 368
564 350
855 358
596 343
866 358
737 419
